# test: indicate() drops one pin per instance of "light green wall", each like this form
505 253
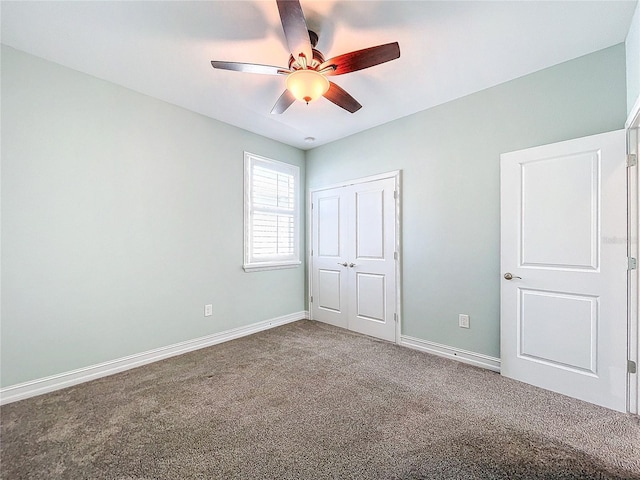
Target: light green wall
122 216
632 45
450 157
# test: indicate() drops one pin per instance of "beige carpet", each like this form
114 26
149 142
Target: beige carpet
309 401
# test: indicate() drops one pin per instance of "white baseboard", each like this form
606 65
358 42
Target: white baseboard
472 358
39 386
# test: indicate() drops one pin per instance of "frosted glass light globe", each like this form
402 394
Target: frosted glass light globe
307 85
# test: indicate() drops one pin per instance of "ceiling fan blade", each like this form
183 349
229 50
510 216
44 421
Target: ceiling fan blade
368 57
295 28
341 98
284 102
250 68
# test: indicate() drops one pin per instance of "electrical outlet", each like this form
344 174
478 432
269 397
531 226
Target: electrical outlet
463 321
208 310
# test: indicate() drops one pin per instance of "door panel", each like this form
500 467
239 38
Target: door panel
353 264
329 226
545 316
563 225
370 293
329 283
370 224
561 194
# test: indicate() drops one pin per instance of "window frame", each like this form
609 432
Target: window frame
275 262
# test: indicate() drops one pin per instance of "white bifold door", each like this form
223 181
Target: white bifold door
353 277
564 268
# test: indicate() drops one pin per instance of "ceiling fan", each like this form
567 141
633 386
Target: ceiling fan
307 70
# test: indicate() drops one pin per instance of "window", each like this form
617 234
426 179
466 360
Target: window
271 214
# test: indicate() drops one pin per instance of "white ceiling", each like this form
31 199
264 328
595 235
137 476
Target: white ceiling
448 49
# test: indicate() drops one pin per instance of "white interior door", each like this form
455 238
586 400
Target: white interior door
563 243
372 266
329 254
353 261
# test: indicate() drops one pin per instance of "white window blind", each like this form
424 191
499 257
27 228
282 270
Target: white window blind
271 214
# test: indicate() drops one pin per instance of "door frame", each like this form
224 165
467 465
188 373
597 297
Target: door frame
632 127
396 175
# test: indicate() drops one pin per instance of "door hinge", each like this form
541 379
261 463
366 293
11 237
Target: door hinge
395 317
632 160
632 263
395 255
312 206
395 194
311 299
312 252
631 366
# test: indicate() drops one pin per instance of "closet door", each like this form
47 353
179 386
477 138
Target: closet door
329 256
372 267
353 264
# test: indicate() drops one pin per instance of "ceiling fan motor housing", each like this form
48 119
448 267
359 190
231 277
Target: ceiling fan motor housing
318 57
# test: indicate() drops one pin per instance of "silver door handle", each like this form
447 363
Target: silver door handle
343 264
352 265
508 276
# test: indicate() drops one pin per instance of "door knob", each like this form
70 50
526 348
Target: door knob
508 276
343 264
352 265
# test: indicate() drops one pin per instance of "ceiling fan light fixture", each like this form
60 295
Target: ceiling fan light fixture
307 85
307 66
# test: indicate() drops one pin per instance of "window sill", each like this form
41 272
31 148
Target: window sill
261 267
